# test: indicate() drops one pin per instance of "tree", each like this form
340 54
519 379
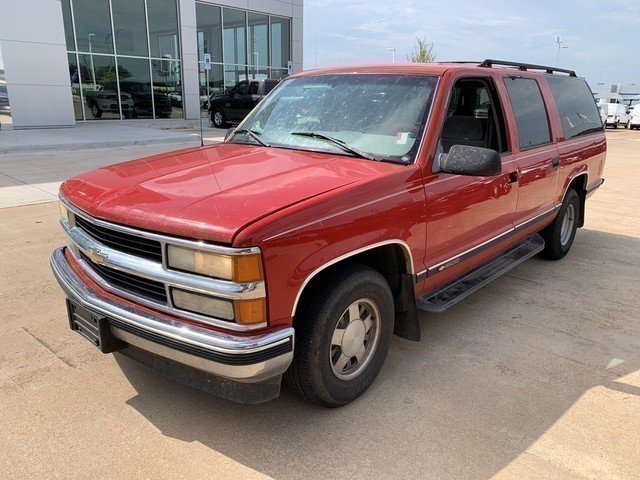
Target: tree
423 53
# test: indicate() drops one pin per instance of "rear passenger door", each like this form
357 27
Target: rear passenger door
537 159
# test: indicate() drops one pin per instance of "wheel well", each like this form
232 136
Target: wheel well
579 184
390 261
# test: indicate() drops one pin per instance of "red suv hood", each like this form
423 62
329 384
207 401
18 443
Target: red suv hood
211 193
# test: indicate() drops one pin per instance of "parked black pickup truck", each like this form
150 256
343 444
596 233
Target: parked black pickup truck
234 105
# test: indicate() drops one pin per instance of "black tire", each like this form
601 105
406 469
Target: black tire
319 372
95 110
218 118
615 125
559 236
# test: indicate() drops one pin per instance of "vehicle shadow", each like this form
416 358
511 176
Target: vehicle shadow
490 377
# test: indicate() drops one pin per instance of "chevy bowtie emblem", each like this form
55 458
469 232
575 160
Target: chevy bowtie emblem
96 256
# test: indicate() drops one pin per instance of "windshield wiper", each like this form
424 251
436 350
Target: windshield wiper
340 143
254 135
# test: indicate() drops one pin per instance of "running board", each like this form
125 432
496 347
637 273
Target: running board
447 296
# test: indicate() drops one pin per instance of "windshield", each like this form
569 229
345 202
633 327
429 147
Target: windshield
379 116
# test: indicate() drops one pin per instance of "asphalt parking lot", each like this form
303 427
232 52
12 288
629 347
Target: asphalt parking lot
535 376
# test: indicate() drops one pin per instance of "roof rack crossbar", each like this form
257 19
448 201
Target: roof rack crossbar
526 66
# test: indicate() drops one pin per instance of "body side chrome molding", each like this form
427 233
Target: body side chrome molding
456 259
401 243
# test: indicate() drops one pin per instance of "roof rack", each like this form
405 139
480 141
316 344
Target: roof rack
526 66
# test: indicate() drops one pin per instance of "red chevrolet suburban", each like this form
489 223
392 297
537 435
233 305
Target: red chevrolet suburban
348 200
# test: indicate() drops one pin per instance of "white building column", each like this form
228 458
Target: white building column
190 77
35 62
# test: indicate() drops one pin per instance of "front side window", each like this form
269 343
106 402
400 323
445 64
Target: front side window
380 116
576 105
530 112
474 117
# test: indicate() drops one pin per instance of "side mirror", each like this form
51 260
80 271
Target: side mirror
475 161
229 133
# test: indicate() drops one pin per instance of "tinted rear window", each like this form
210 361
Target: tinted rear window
529 110
268 86
577 107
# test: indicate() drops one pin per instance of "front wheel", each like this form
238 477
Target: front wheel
558 236
343 334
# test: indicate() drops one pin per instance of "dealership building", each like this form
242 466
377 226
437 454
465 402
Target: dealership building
68 61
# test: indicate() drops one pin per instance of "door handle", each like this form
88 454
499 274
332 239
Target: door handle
513 177
555 162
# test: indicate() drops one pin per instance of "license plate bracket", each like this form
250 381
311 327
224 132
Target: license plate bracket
94 327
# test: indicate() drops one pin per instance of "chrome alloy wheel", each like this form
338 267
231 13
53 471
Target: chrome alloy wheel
355 339
568 224
217 118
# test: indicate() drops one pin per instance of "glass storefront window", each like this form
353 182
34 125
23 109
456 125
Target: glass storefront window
209 25
93 26
99 88
5 107
68 25
130 27
280 41
135 87
234 74
141 38
216 83
279 73
163 29
76 90
258 39
234 36
166 80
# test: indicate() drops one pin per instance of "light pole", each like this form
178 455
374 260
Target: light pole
393 54
560 45
93 70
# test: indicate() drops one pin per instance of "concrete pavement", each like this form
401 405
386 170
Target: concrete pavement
535 376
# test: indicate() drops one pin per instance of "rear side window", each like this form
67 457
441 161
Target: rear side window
577 107
529 110
269 85
253 88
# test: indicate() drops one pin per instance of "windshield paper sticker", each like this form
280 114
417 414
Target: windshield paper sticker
401 138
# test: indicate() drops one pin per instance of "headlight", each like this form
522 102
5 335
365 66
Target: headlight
237 268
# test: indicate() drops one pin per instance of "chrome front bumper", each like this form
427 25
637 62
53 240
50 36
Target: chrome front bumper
244 359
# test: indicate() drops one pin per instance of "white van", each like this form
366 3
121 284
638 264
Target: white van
634 121
616 114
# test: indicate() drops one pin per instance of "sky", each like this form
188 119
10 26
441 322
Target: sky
603 37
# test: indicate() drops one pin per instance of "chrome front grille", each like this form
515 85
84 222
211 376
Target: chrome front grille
150 289
124 242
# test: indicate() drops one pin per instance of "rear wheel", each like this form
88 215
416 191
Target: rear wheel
559 236
95 111
342 336
218 118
